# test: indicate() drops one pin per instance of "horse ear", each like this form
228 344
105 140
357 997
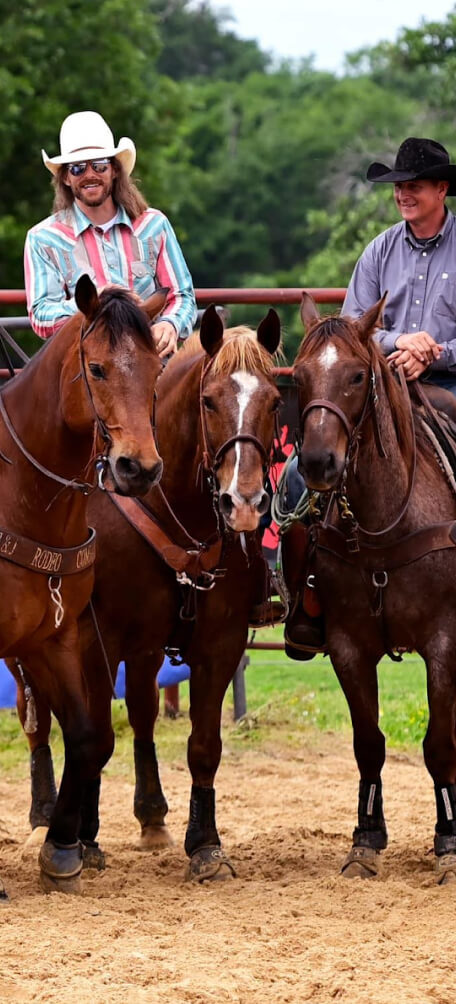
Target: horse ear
86 297
268 331
155 303
308 310
211 330
371 319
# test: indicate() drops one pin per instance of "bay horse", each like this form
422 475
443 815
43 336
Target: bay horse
91 384
216 416
383 530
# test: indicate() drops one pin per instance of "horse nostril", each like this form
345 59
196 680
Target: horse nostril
226 504
128 467
263 504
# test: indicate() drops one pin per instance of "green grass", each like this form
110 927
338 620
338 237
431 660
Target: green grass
287 703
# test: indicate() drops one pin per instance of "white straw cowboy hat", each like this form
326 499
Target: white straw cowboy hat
86 136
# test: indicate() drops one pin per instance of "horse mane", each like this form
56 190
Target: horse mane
240 350
346 330
123 316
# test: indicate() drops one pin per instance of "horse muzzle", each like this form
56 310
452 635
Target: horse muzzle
130 477
243 515
321 469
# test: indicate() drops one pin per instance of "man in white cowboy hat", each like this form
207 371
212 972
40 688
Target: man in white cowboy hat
102 225
415 262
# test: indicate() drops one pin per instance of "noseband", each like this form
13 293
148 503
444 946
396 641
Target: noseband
353 431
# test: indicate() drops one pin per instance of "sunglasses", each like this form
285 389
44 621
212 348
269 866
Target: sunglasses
100 166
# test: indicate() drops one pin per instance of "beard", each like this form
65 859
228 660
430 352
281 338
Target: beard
90 197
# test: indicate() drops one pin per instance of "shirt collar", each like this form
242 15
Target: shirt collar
82 222
446 226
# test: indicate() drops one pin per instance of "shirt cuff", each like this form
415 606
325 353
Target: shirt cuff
386 340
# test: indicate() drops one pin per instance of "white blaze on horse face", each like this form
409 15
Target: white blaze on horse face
326 360
328 357
248 384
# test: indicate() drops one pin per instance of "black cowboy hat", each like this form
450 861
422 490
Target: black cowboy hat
417 158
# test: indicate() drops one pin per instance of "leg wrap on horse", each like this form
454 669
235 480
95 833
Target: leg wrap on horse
43 789
150 805
371 829
201 824
445 829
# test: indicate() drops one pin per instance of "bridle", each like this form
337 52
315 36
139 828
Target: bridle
354 433
213 459
100 460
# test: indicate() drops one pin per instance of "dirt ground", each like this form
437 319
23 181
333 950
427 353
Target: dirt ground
288 929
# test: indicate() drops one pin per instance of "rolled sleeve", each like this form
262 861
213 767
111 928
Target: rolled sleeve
172 271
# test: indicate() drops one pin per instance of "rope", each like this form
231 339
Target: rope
281 515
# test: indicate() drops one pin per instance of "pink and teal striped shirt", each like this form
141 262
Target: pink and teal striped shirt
142 255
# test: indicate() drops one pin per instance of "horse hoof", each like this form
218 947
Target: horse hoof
93 857
209 864
155 838
361 862
445 869
34 840
60 867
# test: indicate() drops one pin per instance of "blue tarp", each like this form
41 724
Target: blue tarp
167 676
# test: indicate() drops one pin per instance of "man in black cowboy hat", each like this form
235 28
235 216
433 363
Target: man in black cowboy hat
415 261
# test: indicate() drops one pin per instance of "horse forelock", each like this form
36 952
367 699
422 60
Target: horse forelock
123 316
241 350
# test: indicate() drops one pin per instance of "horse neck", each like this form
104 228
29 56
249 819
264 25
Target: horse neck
181 446
376 485
33 403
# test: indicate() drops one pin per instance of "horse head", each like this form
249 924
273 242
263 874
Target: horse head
238 408
335 374
110 380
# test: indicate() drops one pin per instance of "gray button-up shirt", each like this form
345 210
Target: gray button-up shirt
421 285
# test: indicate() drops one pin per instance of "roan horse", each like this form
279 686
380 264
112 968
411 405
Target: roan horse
216 411
384 560
91 384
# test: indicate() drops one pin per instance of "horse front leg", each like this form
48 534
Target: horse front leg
35 717
209 679
142 700
357 674
57 673
439 748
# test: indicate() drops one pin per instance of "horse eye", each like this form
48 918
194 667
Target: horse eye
97 371
358 377
208 402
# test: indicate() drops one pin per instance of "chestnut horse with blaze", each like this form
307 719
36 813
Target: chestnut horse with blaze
383 534
216 416
92 384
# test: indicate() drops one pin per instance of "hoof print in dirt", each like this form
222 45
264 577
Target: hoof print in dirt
361 862
210 864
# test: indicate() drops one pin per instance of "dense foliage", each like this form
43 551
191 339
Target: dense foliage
260 166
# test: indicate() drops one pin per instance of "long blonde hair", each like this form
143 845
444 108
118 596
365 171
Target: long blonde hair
124 192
